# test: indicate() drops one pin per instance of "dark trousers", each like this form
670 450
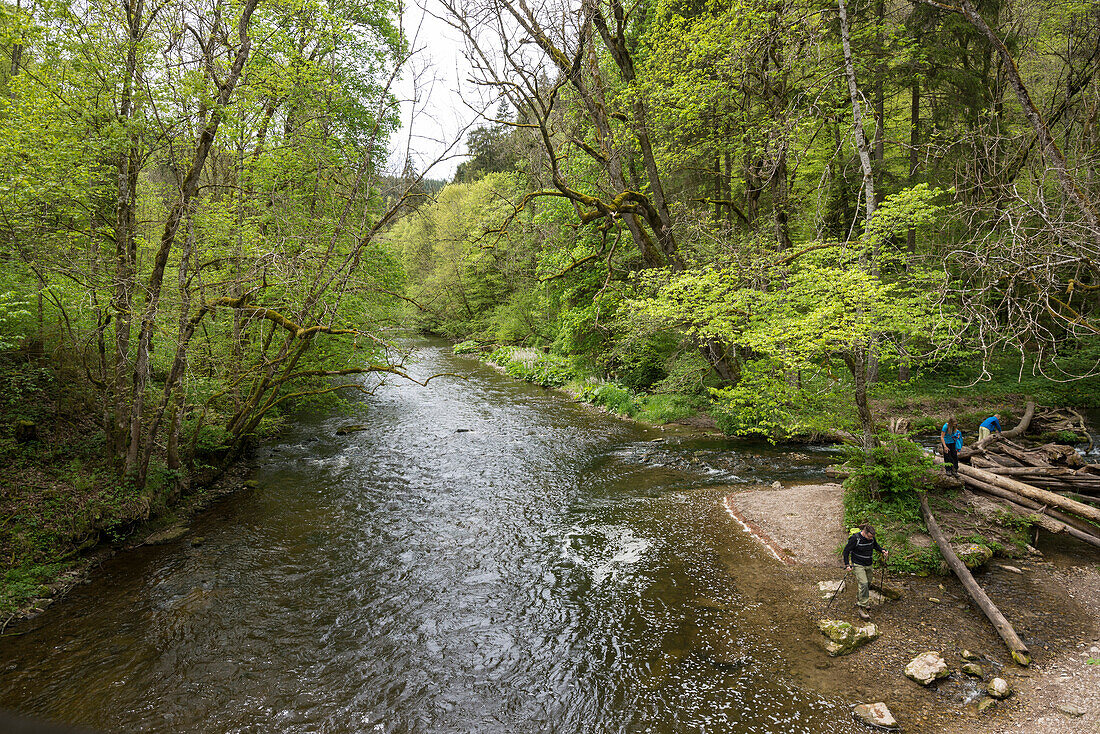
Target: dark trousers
951 456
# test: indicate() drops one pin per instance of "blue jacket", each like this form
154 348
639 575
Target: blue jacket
949 438
992 424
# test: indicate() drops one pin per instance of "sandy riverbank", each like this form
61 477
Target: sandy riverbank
1052 599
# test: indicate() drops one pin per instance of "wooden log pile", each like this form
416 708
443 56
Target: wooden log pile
1049 482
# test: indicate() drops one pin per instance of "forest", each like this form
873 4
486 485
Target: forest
770 211
774 209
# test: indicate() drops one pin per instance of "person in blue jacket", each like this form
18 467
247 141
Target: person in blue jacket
989 425
951 440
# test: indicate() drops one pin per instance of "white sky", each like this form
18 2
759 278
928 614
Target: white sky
431 89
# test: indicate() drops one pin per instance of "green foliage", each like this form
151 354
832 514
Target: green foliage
900 466
688 374
763 403
23 583
615 398
640 363
211 437
13 318
548 370
662 409
467 347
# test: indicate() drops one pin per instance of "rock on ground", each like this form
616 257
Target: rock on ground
875 714
844 637
999 688
926 667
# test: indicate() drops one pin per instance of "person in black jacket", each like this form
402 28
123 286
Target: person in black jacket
858 556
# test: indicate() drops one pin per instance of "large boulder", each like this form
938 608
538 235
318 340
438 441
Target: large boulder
875 714
844 637
926 667
999 688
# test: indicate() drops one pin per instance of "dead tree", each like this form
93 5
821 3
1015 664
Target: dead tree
1015 645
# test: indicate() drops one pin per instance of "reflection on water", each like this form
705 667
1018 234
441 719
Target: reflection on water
487 557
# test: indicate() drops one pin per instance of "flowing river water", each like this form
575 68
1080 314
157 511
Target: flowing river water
487 556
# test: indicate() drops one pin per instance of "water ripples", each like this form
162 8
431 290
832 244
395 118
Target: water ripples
486 557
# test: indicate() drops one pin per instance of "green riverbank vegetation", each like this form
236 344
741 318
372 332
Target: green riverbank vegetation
189 219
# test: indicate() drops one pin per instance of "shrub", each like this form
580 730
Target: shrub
467 347
616 399
899 466
548 370
665 408
760 404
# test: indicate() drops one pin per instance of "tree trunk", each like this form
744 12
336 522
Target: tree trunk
1015 645
857 117
857 364
125 276
1040 495
137 462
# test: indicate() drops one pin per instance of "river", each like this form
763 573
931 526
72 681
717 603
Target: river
487 556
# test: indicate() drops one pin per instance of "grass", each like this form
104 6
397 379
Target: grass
1003 386
21 585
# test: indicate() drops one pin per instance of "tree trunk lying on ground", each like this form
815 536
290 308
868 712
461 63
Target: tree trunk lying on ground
1040 495
1050 520
1019 430
1015 645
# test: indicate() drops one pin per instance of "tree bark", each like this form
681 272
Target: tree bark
1040 495
1064 523
857 117
857 365
1015 645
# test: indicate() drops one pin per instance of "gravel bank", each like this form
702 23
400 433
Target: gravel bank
1053 600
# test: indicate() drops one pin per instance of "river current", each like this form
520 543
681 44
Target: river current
486 556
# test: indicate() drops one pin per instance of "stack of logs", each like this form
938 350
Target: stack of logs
1050 484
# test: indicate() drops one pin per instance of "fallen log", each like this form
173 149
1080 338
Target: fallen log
1045 517
1019 430
1042 495
1039 471
1015 645
1050 524
1046 455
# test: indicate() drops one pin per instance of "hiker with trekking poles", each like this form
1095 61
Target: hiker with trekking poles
859 556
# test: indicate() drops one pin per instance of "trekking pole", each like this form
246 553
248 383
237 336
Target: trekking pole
843 580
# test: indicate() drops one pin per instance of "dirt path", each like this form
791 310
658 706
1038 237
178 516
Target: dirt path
1052 599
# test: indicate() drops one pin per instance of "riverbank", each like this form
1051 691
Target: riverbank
64 508
1052 598
28 594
